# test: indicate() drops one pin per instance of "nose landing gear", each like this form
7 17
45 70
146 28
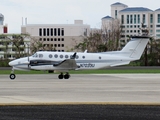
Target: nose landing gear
12 75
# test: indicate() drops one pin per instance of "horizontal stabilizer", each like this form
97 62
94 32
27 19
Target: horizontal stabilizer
118 64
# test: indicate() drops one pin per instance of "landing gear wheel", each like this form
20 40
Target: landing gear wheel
60 76
12 76
66 76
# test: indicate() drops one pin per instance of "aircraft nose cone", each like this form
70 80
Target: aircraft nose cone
11 63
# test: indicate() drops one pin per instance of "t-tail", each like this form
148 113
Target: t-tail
135 47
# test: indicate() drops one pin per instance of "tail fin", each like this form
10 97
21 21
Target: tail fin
135 47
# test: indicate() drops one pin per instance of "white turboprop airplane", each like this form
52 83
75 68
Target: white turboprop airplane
65 61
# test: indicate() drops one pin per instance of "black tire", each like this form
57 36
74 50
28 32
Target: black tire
66 76
60 76
12 76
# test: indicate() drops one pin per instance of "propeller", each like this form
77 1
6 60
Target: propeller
73 56
28 57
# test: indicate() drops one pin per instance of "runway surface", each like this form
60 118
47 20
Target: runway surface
111 88
98 96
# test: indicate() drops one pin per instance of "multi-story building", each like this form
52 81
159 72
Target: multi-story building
61 37
7 47
131 19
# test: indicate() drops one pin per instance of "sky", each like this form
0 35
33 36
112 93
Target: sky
62 11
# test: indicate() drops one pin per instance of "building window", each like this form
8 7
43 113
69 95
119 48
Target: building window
44 39
122 36
122 26
158 18
44 32
40 32
62 39
55 45
144 18
157 30
51 39
58 39
51 31
59 45
47 31
122 19
55 32
58 31
157 25
158 35
151 26
62 45
131 19
55 39
47 39
138 19
123 31
116 14
62 31
135 19
151 18
85 31
130 26
127 19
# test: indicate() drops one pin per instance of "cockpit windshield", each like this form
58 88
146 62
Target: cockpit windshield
35 55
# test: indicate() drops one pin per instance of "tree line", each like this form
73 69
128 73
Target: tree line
99 40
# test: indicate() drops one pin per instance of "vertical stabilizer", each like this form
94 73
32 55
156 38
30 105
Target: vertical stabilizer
135 47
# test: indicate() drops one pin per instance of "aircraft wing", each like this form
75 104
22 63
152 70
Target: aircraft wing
69 64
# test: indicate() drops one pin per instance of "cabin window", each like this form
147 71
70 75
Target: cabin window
56 56
99 57
50 56
35 55
83 57
77 56
66 56
61 56
40 55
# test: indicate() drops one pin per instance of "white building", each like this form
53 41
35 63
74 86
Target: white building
131 19
62 37
7 49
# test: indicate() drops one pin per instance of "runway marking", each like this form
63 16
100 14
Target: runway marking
82 103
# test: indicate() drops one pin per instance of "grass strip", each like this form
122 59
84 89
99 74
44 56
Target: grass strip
106 71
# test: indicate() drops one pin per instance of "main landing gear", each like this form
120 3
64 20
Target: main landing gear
66 76
12 75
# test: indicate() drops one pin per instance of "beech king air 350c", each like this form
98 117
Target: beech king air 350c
65 61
